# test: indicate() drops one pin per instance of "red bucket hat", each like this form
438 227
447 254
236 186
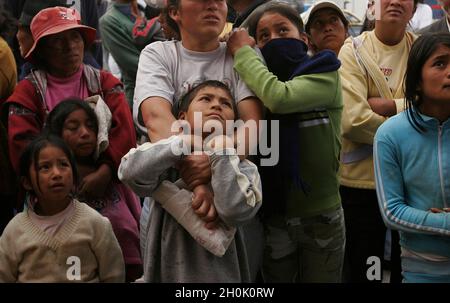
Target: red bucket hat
54 20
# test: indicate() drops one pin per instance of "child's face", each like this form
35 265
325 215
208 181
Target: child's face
79 133
272 26
53 179
213 103
435 86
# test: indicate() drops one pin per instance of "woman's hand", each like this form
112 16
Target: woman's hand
195 170
238 39
95 184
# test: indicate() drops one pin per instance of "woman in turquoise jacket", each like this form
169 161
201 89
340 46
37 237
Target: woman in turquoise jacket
412 167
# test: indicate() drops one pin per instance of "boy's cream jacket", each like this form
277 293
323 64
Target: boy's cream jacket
359 122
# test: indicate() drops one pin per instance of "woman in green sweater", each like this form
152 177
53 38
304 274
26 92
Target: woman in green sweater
305 233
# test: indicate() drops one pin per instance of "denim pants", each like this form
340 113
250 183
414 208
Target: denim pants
306 250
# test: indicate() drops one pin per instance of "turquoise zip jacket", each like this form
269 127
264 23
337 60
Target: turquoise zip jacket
412 175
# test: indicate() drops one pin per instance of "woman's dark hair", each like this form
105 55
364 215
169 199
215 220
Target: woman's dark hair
274 7
367 25
190 95
55 119
171 4
421 50
31 155
8 24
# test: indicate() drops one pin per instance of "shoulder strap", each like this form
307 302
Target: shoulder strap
364 59
93 80
39 81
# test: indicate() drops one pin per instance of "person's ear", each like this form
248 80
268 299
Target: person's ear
173 13
26 183
304 37
182 116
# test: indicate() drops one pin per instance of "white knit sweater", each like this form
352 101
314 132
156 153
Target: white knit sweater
83 250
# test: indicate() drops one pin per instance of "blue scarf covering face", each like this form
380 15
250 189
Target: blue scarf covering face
288 58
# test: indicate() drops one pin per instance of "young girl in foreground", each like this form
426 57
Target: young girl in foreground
412 170
78 125
57 238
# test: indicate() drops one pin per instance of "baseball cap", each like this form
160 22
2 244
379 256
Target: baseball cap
307 16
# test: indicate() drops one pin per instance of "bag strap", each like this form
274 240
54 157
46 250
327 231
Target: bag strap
364 59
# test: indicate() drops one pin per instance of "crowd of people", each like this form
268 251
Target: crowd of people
140 178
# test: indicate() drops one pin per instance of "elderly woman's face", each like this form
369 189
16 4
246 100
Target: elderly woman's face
63 53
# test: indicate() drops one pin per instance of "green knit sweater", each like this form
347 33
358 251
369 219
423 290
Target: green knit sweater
318 99
28 254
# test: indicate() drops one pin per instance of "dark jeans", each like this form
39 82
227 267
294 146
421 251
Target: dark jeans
366 235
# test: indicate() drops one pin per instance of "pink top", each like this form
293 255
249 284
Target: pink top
52 224
62 88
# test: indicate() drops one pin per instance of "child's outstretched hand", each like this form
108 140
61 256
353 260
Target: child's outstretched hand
239 38
95 184
203 205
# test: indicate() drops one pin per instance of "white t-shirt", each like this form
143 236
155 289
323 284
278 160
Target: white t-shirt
422 17
168 70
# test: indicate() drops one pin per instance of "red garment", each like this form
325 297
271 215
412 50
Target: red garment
27 113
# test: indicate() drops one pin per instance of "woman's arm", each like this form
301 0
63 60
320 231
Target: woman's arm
302 93
395 210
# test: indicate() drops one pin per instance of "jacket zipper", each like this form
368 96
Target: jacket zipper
440 164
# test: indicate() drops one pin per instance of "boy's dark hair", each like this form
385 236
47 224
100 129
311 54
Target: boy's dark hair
55 119
281 8
421 50
31 155
190 95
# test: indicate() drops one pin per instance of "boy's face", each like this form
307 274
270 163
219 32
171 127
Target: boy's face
200 18
213 103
